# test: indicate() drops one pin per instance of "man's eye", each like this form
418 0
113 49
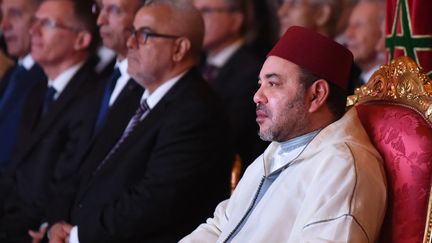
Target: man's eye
272 84
113 10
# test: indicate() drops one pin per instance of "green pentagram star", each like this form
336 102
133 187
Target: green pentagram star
406 40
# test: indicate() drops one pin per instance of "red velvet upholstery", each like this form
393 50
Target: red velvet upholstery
404 139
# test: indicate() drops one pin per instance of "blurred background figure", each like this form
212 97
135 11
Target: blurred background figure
263 32
104 58
19 80
363 34
171 164
321 16
348 6
232 69
117 99
114 18
5 61
58 118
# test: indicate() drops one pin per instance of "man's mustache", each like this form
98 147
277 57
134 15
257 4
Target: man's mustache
262 108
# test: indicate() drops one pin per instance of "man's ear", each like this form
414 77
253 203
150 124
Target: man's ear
83 40
317 94
181 48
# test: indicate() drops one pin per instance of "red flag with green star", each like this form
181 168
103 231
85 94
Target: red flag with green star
409 31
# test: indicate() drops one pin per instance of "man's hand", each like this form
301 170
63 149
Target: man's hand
59 233
37 236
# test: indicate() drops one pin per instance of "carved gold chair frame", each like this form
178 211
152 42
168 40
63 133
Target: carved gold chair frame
402 81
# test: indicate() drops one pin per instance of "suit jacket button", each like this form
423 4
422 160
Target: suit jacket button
80 205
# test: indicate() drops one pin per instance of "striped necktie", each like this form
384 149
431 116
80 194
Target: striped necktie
210 72
134 121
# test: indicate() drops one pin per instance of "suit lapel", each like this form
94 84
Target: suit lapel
128 99
129 88
142 131
66 97
226 71
156 114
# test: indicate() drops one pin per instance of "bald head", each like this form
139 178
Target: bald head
167 41
185 20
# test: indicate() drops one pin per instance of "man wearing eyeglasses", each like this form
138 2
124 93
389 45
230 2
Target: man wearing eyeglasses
58 115
173 160
231 68
19 80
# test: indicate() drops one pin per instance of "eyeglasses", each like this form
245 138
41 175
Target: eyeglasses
205 10
142 34
52 24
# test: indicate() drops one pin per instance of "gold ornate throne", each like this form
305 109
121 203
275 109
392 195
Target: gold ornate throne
395 107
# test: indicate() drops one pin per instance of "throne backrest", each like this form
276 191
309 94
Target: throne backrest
395 108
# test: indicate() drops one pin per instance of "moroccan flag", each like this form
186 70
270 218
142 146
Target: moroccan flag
409 31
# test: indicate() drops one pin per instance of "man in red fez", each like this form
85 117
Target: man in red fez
320 180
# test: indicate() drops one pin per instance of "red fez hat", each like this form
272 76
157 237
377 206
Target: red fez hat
319 55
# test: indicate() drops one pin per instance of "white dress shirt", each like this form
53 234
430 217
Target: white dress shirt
121 81
61 81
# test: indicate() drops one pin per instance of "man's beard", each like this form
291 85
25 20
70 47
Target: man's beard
288 125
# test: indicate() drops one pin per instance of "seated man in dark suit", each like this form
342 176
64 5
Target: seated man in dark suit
118 97
57 120
19 80
172 162
232 70
120 91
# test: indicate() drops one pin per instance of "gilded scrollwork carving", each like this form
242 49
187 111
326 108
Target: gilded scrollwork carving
401 81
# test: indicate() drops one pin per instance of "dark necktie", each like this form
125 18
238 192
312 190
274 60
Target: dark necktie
13 85
210 72
134 121
109 88
48 99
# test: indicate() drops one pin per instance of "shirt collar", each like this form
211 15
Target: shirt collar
297 142
62 80
222 57
123 66
106 56
159 93
27 62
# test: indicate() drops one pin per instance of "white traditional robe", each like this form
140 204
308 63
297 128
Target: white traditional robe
334 191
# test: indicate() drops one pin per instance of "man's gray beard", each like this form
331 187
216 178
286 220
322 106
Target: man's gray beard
266 135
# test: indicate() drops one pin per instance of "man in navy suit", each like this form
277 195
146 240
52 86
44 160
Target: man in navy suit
120 92
173 160
19 80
